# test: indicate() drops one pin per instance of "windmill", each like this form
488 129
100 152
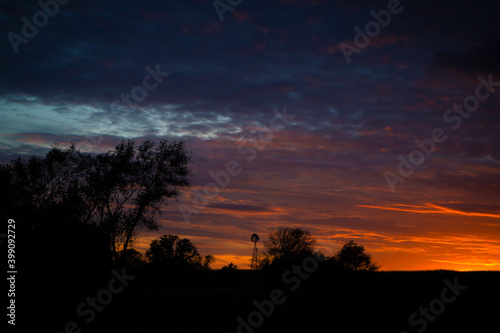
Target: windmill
255 239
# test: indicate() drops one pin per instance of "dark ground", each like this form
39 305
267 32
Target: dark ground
211 301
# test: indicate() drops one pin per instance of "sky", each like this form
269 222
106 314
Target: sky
372 121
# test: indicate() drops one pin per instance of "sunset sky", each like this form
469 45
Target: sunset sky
325 166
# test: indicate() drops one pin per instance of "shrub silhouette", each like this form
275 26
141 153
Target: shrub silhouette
285 246
170 251
230 267
353 257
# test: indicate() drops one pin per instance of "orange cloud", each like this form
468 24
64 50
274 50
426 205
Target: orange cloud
434 209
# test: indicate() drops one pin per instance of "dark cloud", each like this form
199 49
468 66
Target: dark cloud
480 59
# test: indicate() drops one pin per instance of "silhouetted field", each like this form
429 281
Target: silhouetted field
56 287
211 301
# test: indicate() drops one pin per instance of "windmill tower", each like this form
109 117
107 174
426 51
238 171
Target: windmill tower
255 239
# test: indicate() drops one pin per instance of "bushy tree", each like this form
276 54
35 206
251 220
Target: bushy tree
353 257
287 245
134 258
172 251
133 182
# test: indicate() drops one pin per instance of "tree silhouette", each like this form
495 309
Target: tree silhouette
38 191
134 258
120 192
288 245
172 251
353 257
133 183
229 267
207 261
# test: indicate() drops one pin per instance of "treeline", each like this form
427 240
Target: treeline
83 212
283 248
92 205
287 246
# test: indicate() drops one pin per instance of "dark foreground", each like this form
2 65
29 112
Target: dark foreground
251 301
